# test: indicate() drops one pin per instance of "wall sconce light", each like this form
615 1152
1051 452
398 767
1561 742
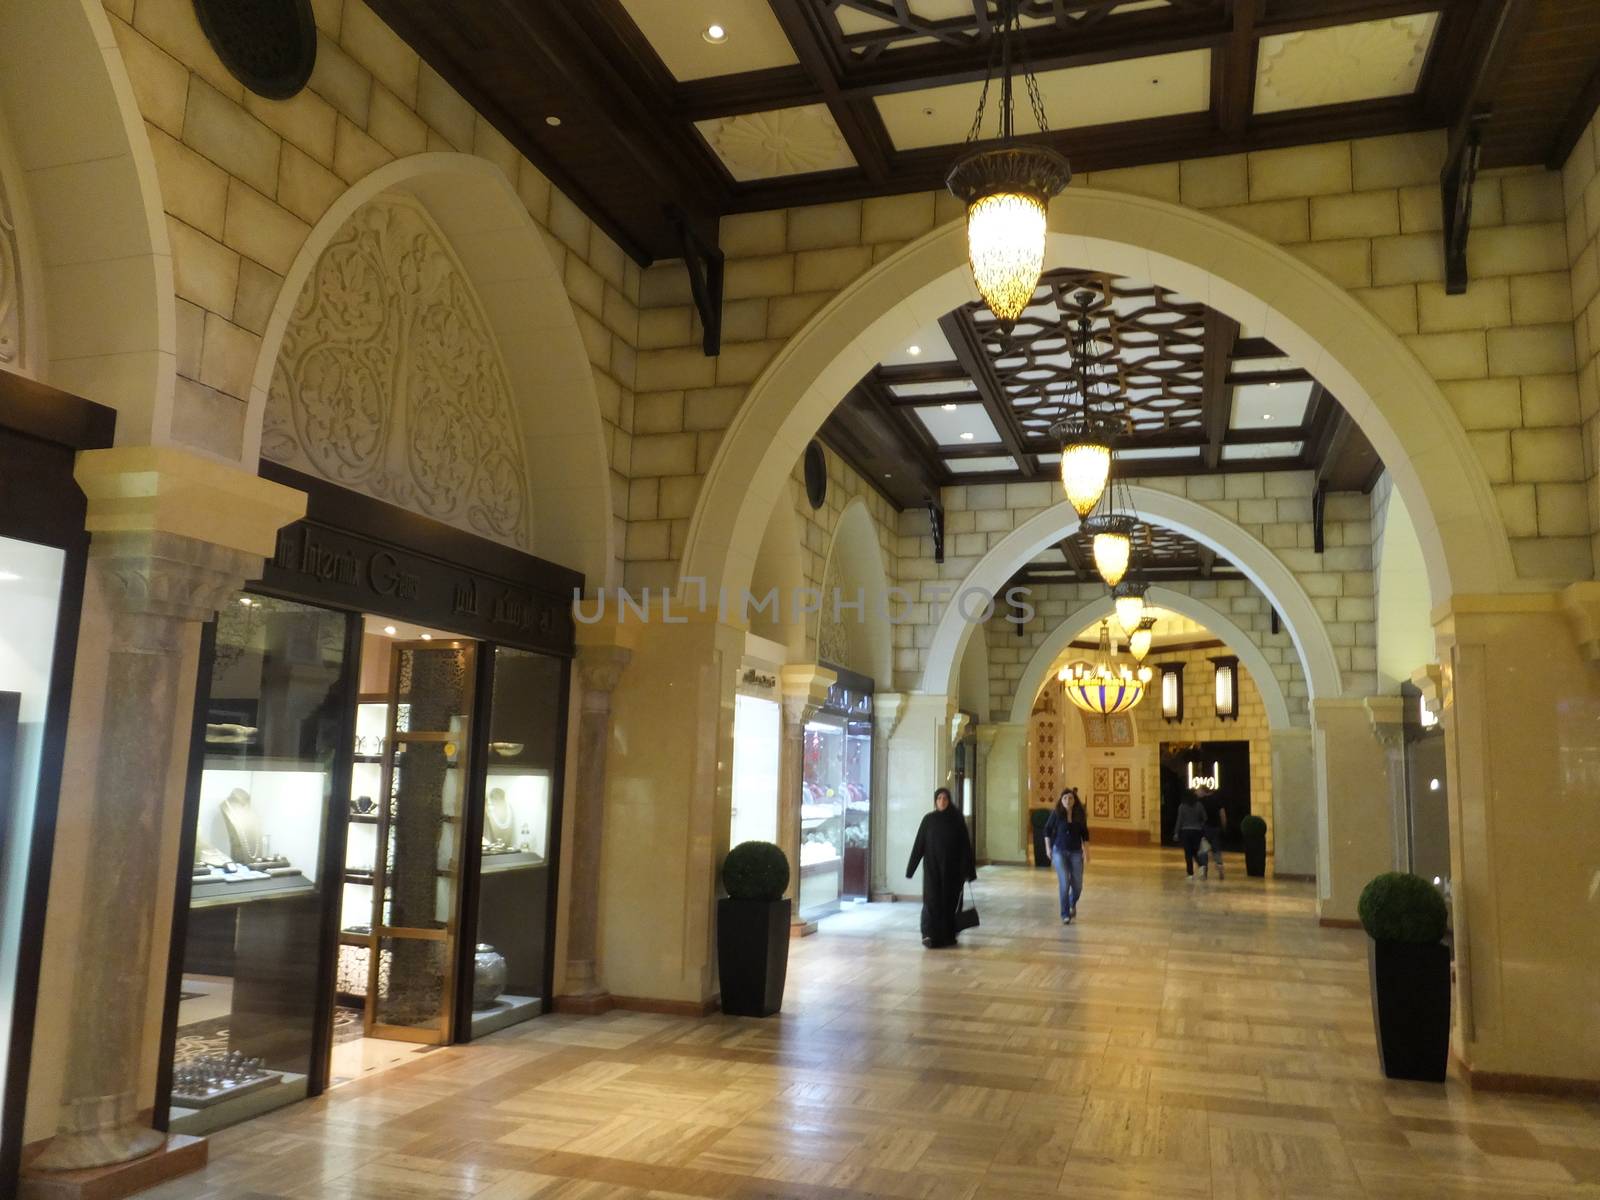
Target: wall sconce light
1226 685
1171 691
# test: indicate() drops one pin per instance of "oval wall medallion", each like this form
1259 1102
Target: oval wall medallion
816 474
269 46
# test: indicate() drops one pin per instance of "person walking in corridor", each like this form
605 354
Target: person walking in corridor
1188 830
945 853
1066 839
1216 822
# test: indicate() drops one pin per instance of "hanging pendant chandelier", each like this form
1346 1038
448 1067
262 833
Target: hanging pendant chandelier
1140 639
1106 686
1086 435
1113 530
1128 599
1007 190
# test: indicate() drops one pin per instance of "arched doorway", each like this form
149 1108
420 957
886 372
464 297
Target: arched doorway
1386 390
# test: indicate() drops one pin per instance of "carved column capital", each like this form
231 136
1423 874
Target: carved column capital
599 672
958 726
1387 714
890 709
804 690
156 581
1581 602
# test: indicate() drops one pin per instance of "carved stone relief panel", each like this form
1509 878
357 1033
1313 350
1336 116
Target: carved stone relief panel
833 638
389 380
10 287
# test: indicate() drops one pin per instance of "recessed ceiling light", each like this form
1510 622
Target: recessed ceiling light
888 474
390 630
552 120
1273 385
1266 416
913 350
948 407
967 437
244 600
427 637
715 34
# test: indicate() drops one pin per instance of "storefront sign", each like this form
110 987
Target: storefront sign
318 563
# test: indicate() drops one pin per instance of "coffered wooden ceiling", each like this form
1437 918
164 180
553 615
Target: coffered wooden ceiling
969 401
806 101
1160 555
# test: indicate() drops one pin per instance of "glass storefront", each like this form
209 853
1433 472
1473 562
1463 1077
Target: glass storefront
510 947
275 693
836 799
30 589
757 731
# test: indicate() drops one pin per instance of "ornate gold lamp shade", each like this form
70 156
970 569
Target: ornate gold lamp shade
1113 544
1128 599
1103 687
1139 641
1007 193
1085 467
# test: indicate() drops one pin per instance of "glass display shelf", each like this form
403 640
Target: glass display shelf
259 829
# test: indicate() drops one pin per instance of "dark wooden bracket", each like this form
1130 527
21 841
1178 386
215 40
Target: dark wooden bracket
704 262
1319 510
936 527
1455 187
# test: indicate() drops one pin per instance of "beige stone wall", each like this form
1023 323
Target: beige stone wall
1367 213
243 179
1581 192
1273 507
1237 599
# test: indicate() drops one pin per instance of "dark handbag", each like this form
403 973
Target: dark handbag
967 917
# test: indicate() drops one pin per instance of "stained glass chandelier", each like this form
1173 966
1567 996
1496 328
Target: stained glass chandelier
1007 189
1085 436
1105 686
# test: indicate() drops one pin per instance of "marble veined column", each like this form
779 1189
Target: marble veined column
600 669
159 586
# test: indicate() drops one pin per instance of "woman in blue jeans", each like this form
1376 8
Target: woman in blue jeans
1066 838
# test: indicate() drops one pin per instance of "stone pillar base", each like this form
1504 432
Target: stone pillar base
800 929
173 1156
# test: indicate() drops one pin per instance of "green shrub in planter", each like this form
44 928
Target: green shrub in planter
1253 830
1396 907
1410 970
755 871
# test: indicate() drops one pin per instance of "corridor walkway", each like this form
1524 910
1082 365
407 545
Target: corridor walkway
1182 1040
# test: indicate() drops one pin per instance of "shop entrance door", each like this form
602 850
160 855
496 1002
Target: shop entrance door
417 865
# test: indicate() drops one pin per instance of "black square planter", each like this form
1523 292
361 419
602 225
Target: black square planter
752 955
1411 1008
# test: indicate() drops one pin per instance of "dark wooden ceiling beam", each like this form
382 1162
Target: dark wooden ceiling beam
964 339
858 121
1216 401
1574 123
1233 71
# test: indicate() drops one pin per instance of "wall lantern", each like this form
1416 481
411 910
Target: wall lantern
1171 691
1226 687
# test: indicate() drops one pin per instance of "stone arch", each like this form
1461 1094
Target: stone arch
1387 392
1254 560
778 568
97 266
1237 640
514 285
1405 625
855 565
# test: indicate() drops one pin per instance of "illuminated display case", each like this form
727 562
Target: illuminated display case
836 799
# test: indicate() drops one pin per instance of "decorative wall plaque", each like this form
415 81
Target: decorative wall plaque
269 46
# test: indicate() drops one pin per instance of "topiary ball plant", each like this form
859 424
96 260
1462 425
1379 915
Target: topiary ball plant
755 871
1252 826
1396 907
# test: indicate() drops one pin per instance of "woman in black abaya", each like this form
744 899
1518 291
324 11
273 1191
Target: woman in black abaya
945 852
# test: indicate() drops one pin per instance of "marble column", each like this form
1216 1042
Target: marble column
804 689
159 587
887 710
599 669
1353 806
1294 805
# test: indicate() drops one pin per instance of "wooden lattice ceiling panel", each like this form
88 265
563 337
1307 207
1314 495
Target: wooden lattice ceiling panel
1147 349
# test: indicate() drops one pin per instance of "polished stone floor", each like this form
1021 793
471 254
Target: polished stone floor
1181 1040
